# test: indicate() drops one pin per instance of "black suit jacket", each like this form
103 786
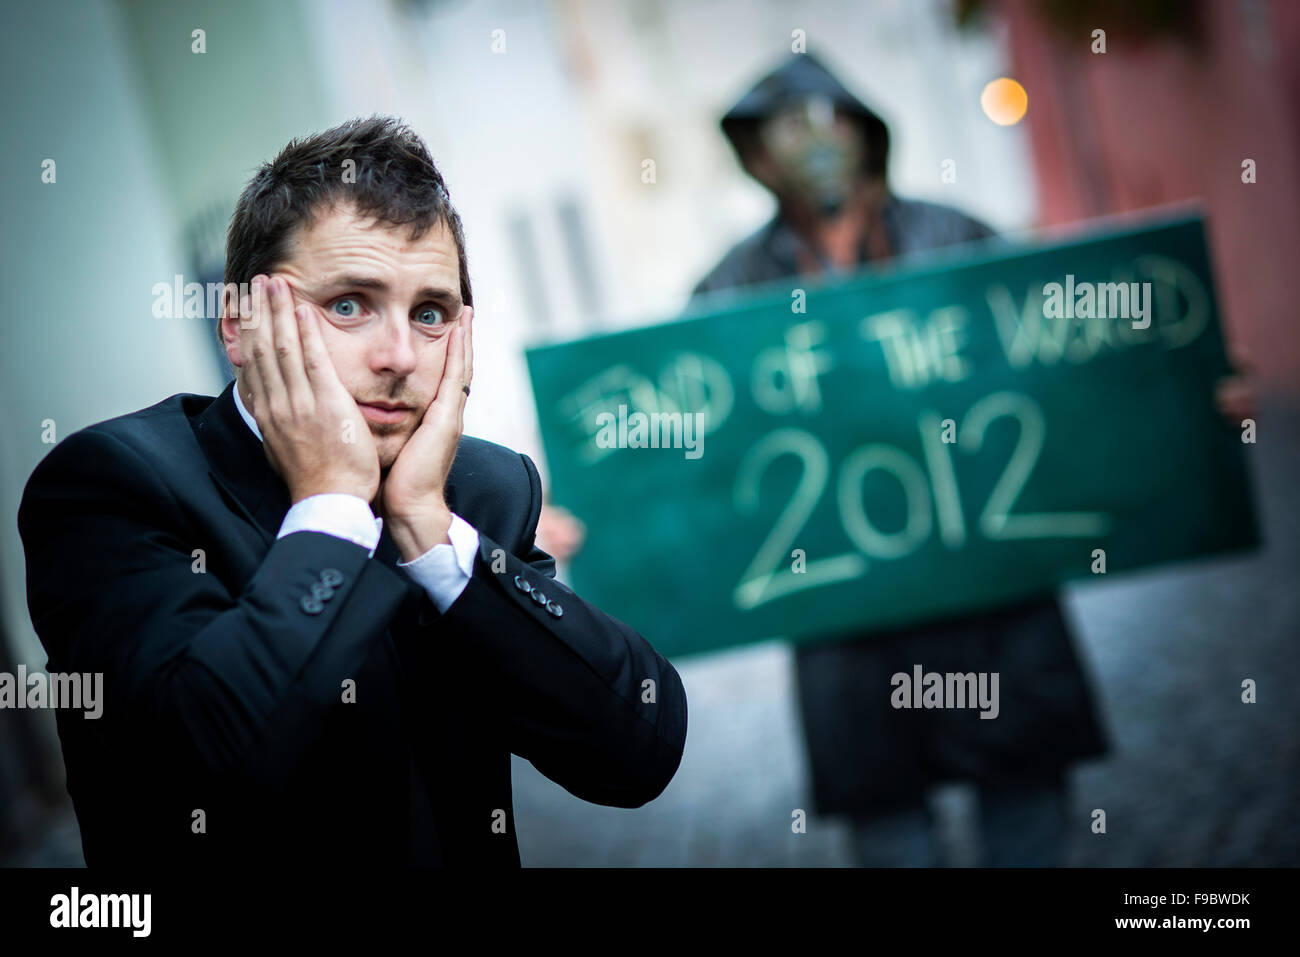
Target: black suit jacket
225 738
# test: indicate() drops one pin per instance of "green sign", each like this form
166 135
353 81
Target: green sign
814 462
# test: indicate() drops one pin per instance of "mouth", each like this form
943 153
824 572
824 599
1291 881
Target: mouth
384 413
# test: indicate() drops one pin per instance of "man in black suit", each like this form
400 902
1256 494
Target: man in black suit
319 610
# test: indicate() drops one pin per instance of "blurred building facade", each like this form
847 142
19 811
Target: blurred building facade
1173 111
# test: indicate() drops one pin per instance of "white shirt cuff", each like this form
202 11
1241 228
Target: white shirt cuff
444 570
337 514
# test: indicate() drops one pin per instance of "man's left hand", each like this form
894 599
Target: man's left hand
410 497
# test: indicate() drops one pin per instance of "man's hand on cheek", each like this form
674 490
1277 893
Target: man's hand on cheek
411 498
313 433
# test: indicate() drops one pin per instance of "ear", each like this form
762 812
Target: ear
230 325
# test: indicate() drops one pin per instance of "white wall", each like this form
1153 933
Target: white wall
80 255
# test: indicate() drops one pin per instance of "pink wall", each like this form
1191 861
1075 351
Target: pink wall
1157 122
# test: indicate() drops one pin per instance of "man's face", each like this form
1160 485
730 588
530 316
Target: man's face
812 152
387 307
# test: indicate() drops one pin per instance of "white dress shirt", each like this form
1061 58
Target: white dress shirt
443 571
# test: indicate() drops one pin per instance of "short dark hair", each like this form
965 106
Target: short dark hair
396 182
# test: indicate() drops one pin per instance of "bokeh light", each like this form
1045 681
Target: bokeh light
1004 101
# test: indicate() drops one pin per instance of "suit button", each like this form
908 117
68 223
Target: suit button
322 591
332 577
538 596
521 584
311 605
554 608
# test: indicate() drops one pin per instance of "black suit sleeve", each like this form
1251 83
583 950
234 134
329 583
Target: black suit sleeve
232 686
575 691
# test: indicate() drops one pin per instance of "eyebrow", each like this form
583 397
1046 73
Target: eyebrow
443 295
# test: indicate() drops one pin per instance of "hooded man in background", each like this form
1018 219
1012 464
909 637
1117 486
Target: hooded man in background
822 153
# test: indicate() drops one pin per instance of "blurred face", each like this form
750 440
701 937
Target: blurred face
815 153
387 307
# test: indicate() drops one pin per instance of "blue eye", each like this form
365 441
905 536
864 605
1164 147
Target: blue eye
429 316
349 313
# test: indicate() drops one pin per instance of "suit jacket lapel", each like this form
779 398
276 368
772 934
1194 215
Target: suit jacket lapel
238 464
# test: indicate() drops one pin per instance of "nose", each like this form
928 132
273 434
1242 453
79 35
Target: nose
392 348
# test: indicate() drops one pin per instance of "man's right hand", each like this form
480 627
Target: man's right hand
314 435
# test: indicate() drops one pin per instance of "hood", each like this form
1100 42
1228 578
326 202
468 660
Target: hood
803 74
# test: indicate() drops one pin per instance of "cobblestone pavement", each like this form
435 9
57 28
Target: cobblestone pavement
1196 777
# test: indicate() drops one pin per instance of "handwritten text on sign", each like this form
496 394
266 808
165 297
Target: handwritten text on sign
897 448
